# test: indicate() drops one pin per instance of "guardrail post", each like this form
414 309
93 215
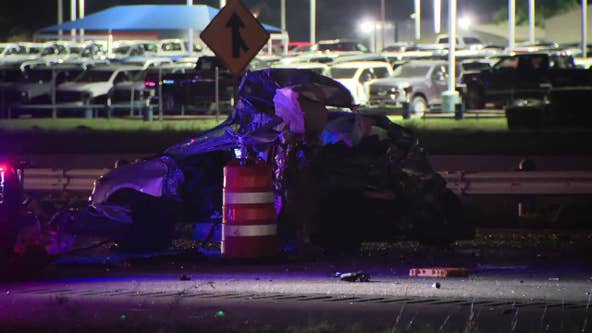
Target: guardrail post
406 110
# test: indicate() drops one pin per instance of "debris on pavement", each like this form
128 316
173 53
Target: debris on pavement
220 314
438 272
436 285
185 277
359 276
554 279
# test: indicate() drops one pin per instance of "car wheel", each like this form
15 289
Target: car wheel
475 98
419 106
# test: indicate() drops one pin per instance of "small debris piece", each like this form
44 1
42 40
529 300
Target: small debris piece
438 272
359 276
220 314
123 317
436 285
185 277
553 279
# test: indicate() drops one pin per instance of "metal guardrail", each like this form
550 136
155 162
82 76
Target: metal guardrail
464 183
517 182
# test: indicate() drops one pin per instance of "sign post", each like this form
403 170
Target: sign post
235 36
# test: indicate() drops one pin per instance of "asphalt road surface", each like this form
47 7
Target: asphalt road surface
210 295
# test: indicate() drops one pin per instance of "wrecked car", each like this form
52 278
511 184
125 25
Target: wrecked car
339 177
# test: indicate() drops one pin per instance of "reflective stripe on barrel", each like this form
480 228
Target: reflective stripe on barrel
248 221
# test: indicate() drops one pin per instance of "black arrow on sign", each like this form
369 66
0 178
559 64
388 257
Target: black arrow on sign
238 43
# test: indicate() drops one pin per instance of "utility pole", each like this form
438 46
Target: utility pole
73 17
60 17
511 23
313 21
531 18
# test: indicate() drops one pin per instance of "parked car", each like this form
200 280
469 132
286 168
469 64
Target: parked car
36 84
196 89
419 83
354 76
13 53
312 66
94 85
145 62
462 42
523 75
172 48
126 50
340 45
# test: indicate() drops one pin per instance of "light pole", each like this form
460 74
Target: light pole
437 15
531 18
190 31
81 15
60 17
451 45
450 97
417 6
584 28
73 17
313 21
283 14
382 22
511 23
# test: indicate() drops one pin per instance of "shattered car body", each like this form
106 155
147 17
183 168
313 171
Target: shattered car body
339 177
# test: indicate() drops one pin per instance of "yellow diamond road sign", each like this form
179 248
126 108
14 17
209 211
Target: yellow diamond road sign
235 36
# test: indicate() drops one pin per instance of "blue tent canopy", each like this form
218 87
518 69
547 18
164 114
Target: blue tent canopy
146 17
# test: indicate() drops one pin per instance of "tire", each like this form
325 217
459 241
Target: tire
475 99
419 106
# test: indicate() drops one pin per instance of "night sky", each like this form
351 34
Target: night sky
336 18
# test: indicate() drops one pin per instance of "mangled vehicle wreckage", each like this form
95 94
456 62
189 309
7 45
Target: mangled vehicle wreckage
339 177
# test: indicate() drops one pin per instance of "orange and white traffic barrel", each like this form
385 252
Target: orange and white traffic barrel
248 222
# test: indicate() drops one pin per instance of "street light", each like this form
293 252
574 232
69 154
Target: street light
368 27
464 23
